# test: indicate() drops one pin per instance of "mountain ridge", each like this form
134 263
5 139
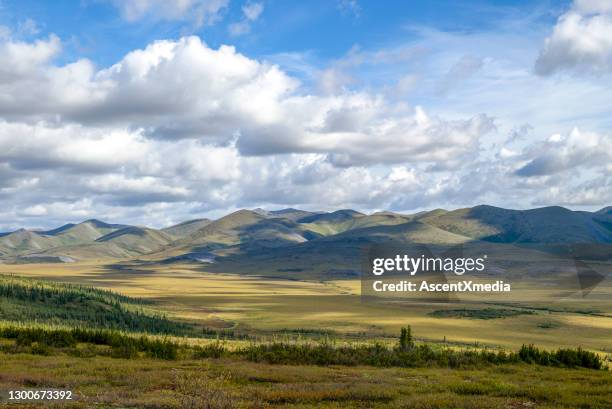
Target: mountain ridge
250 231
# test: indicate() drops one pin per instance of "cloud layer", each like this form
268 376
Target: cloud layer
178 129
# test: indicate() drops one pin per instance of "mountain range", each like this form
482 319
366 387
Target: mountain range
292 239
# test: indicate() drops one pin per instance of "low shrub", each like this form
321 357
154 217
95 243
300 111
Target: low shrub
123 345
214 350
405 354
570 358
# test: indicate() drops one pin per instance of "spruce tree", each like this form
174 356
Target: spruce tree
406 341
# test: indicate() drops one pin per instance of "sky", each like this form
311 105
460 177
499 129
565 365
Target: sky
152 112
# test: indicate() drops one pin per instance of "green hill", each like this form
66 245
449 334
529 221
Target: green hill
84 232
186 228
544 225
245 227
291 214
252 231
26 242
23 241
332 256
123 243
340 221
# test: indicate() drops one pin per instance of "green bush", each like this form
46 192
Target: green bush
40 348
570 358
373 355
125 351
122 345
407 354
215 350
405 341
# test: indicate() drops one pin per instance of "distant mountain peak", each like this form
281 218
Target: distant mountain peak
291 213
60 229
97 223
131 230
286 210
386 213
348 211
252 230
186 228
605 210
185 223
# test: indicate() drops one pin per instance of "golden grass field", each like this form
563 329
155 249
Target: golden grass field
264 305
103 382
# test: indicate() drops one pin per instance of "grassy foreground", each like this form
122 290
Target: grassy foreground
105 368
114 351
228 383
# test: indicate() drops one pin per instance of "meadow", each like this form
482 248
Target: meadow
175 336
227 383
264 307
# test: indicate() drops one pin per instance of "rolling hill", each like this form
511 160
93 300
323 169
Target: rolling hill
84 232
336 255
544 225
245 228
24 241
340 221
321 238
291 214
124 243
186 228
28 242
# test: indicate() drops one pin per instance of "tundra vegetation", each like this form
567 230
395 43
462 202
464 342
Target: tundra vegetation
263 309
193 370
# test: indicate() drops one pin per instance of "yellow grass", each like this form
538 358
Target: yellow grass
264 304
144 383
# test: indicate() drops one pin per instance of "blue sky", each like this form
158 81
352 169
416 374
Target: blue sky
151 112
96 29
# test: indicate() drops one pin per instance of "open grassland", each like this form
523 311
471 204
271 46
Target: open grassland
293 344
227 383
262 306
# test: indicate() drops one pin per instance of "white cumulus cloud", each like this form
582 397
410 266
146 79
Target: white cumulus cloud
581 40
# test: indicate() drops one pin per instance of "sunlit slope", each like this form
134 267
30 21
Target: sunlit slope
343 220
124 243
84 232
250 232
291 213
259 233
187 228
333 256
245 227
23 242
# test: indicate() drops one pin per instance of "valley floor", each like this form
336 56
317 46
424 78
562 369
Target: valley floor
225 383
264 306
